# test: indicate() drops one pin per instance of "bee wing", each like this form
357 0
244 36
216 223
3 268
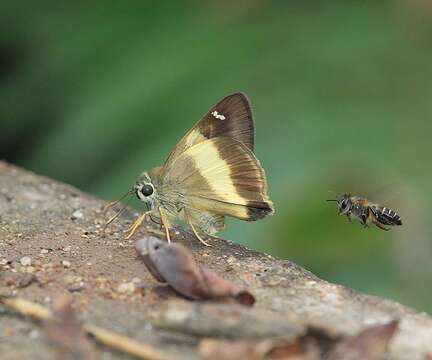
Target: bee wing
231 117
222 176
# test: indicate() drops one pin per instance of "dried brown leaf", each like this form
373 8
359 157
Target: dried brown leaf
175 265
64 333
370 344
219 288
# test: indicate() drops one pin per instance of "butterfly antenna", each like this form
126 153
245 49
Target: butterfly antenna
113 203
116 215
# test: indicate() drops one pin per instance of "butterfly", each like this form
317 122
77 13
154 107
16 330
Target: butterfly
210 174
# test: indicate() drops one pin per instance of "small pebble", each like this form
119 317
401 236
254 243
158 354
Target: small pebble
66 264
73 279
44 251
77 215
34 334
77 288
231 260
126 288
26 261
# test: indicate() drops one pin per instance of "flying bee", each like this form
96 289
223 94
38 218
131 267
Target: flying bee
367 213
211 173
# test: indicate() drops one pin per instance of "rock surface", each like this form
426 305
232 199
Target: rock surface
73 254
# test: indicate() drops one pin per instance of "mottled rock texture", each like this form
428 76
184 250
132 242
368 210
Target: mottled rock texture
61 230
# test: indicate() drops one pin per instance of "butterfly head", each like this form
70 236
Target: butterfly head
145 190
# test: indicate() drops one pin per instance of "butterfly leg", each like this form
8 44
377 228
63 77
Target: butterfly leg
165 222
194 230
109 206
197 235
133 228
156 232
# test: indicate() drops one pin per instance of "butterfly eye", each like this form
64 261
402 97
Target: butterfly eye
147 190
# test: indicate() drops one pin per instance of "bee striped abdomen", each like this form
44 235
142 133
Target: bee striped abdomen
386 216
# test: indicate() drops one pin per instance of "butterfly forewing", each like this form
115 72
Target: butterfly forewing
220 175
231 117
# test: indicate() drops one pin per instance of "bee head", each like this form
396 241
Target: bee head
344 204
144 189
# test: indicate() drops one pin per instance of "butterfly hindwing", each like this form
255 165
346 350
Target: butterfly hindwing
222 176
231 117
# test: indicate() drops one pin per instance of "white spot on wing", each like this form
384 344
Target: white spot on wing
218 116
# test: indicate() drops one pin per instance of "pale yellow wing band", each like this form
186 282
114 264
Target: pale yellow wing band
223 176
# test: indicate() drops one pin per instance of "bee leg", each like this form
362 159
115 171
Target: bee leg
349 217
133 228
165 222
382 227
364 219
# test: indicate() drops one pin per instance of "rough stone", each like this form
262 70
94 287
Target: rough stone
283 290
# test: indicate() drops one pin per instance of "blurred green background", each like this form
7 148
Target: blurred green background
93 93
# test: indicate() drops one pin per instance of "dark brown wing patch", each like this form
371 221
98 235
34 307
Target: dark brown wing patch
231 117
